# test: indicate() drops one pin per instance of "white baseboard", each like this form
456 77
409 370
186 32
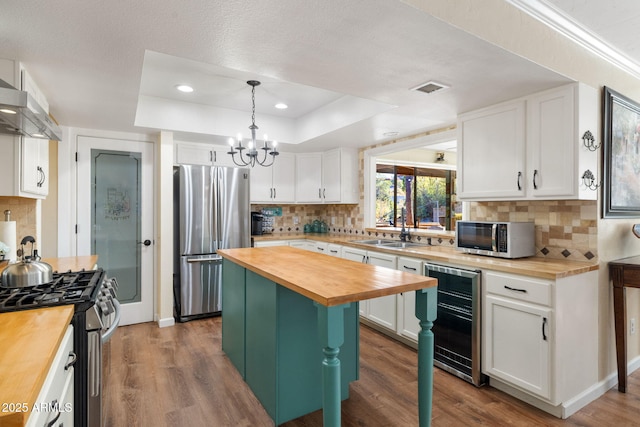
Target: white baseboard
167 321
573 405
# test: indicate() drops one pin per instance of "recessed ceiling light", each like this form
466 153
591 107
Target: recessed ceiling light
7 111
184 88
392 133
281 106
38 135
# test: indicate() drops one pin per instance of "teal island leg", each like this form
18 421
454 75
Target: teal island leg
331 333
426 311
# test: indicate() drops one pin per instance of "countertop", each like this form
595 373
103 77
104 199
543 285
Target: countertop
63 264
328 281
29 340
531 266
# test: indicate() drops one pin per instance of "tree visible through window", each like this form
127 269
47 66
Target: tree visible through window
428 196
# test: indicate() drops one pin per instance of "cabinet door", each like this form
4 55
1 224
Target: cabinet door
331 179
551 145
221 158
409 325
491 155
517 348
34 173
309 178
194 154
383 310
334 250
261 185
284 178
357 255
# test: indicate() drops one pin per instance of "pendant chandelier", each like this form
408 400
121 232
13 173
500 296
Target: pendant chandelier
252 154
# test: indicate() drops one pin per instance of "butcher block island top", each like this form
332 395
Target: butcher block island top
326 280
29 340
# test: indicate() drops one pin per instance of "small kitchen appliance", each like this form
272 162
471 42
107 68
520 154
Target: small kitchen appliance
257 221
497 239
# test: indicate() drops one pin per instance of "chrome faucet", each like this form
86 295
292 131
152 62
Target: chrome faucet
404 233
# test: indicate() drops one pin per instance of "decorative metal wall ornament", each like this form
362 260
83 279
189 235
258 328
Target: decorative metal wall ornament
588 179
589 141
252 145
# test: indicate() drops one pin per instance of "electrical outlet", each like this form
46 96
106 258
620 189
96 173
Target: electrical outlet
632 326
296 220
333 220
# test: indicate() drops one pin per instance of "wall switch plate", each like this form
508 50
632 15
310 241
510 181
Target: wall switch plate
632 326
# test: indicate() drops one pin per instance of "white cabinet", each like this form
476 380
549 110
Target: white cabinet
383 310
274 183
529 148
34 156
538 335
266 243
408 323
307 245
329 177
202 154
55 400
25 161
334 250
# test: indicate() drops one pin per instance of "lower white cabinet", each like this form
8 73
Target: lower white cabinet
303 244
334 250
408 323
540 336
265 243
382 311
54 404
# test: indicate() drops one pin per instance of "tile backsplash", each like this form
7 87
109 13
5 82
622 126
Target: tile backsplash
23 212
337 217
565 229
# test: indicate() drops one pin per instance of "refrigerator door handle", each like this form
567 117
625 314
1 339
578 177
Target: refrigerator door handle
208 259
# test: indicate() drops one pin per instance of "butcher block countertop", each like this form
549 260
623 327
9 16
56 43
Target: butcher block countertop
329 281
543 268
29 340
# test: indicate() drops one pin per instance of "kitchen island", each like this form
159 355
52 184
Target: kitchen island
290 295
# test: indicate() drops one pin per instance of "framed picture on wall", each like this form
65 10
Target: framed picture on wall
621 156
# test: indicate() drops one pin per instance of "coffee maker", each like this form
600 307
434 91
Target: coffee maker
256 223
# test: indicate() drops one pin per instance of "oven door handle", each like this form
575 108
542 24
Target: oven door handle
106 336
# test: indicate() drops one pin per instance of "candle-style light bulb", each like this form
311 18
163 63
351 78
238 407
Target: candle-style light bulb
231 141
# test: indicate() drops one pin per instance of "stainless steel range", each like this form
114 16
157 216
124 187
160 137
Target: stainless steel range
96 316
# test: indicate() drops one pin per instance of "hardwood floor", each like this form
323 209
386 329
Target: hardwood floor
179 376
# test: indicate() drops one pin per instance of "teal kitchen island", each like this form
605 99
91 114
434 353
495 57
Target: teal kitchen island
290 326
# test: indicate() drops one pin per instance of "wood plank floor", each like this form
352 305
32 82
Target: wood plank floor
179 376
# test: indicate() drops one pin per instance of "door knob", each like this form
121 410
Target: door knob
146 242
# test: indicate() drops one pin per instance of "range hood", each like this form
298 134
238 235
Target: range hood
21 115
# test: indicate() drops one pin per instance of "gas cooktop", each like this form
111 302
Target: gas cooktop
72 287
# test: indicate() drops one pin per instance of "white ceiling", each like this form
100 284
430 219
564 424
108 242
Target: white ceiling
344 67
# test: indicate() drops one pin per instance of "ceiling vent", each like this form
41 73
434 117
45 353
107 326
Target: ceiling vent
430 87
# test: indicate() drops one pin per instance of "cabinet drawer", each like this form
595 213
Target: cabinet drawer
517 287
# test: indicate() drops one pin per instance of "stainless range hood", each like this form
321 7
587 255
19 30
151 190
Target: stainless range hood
21 115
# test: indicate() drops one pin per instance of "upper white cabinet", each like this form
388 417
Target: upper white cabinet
274 183
202 154
529 148
25 161
329 177
34 173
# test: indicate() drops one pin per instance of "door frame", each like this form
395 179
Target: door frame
67 200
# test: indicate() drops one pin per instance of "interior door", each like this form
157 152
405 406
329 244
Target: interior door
115 217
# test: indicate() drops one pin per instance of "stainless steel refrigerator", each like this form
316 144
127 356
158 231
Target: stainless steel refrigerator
211 212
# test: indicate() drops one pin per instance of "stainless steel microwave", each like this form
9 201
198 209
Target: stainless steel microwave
497 239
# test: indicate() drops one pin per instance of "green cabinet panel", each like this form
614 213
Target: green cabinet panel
282 351
233 317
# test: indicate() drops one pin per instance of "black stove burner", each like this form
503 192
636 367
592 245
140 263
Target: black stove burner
66 288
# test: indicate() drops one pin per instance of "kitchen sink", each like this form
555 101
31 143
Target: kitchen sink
401 245
374 242
391 244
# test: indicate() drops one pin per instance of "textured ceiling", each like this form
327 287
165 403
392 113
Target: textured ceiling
345 68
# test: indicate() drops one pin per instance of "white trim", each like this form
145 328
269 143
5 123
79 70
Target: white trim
369 172
558 20
167 321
